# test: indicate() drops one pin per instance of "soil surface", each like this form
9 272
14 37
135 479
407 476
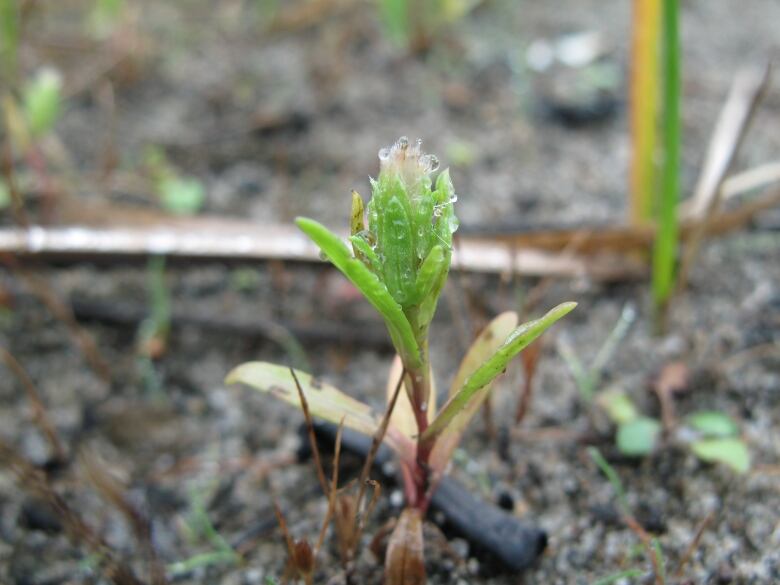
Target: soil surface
286 120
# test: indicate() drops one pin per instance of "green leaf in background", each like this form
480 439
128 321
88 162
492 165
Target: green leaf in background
619 407
181 195
638 437
712 423
9 37
41 101
730 451
395 14
105 16
5 195
369 284
488 371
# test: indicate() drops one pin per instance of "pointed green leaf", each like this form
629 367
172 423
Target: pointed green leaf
485 345
366 254
428 273
369 284
713 423
620 408
730 451
473 387
638 436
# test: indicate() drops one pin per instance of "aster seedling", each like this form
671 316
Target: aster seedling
399 260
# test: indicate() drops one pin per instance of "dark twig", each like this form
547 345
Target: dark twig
376 442
694 543
79 532
312 437
40 416
114 493
62 313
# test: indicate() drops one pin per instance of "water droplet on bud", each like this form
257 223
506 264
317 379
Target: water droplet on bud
453 198
384 154
424 406
433 163
403 143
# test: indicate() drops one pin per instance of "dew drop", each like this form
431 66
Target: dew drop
424 406
384 154
403 143
453 198
323 256
433 163
453 224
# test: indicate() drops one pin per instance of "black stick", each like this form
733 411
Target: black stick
496 537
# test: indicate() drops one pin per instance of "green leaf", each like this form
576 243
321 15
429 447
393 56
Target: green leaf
730 451
712 423
485 345
478 383
395 16
42 101
182 196
369 284
365 254
618 405
5 195
10 28
428 274
324 400
638 437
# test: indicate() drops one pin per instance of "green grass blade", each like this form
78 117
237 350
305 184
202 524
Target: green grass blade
369 284
665 249
478 382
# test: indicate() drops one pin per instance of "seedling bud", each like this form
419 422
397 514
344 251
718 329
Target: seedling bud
407 219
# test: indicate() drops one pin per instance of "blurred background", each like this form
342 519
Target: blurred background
154 155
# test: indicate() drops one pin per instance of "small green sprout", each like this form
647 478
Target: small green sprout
41 102
399 260
180 195
711 436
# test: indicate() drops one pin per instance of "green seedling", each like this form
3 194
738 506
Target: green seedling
651 544
178 194
712 437
199 527
416 23
41 98
104 17
588 379
152 336
399 260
